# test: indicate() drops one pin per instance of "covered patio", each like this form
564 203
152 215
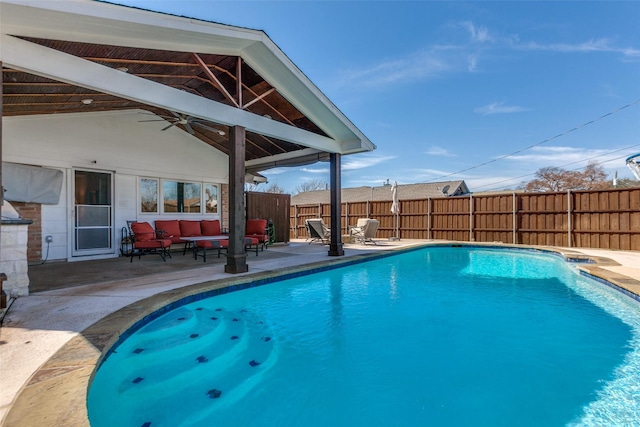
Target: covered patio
132 93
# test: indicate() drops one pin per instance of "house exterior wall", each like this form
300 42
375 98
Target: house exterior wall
116 142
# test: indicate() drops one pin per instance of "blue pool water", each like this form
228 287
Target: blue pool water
444 336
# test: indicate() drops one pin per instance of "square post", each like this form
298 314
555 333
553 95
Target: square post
236 255
335 246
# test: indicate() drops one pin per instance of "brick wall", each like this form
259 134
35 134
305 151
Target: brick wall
224 214
32 211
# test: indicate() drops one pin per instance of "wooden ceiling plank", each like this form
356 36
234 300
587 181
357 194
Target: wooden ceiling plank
139 61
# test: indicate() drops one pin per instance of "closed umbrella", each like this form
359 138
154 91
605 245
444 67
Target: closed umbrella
395 206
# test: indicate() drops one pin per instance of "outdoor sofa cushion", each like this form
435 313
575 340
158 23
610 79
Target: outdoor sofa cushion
210 227
171 228
142 231
189 228
257 228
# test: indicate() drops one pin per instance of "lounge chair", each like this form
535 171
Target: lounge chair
365 230
318 231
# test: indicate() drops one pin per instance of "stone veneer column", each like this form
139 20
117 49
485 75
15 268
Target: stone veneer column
13 258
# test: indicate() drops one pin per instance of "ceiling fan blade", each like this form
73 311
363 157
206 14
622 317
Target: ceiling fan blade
179 116
189 129
172 124
156 120
209 128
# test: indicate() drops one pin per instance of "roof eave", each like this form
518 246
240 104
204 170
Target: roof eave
104 23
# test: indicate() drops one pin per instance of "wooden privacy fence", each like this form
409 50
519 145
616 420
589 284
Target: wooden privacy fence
605 219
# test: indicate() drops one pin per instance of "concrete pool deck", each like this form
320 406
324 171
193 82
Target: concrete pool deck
51 341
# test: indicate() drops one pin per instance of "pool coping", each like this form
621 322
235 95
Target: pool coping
56 394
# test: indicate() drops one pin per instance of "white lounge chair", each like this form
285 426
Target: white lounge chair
365 230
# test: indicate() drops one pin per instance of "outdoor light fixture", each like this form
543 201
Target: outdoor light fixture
123 69
87 101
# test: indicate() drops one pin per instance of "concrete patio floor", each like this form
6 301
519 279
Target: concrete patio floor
68 298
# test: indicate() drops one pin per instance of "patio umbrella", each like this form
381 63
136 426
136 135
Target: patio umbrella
395 205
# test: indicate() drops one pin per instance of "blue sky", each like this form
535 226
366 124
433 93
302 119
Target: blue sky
488 92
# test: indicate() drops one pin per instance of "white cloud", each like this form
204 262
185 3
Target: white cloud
457 56
412 67
357 162
478 34
439 151
598 45
316 170
499 108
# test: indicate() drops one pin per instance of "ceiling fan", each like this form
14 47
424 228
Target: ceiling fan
185 120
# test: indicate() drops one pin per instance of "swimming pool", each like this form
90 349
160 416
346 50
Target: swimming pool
439 336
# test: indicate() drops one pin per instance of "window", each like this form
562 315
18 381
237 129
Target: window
148 195
178 197
211 198
182 197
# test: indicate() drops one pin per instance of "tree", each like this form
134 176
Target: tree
311 185
593 177
271 188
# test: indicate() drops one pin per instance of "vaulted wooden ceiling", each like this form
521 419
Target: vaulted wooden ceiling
224 79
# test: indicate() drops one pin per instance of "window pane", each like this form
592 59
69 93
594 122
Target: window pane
192 197
181 197
170 196
211 197
148 195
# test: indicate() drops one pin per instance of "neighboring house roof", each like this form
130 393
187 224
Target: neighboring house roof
202 77
405 192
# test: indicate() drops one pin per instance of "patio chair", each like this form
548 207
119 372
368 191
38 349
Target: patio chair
147 241
257 229
318 231
365 230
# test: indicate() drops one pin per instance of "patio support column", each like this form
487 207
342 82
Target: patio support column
3 276
335 246
236 255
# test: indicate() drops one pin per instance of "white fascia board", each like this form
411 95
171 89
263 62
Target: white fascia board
50 63
275 67
101 23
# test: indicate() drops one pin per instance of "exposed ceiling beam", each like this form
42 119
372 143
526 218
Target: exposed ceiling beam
50 63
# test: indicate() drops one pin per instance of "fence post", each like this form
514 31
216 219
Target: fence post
295 221
428 218
346 215
513 219
569 217
471 217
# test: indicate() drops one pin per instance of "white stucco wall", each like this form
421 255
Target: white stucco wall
107 141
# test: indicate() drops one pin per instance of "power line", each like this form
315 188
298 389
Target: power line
569 164
539 143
